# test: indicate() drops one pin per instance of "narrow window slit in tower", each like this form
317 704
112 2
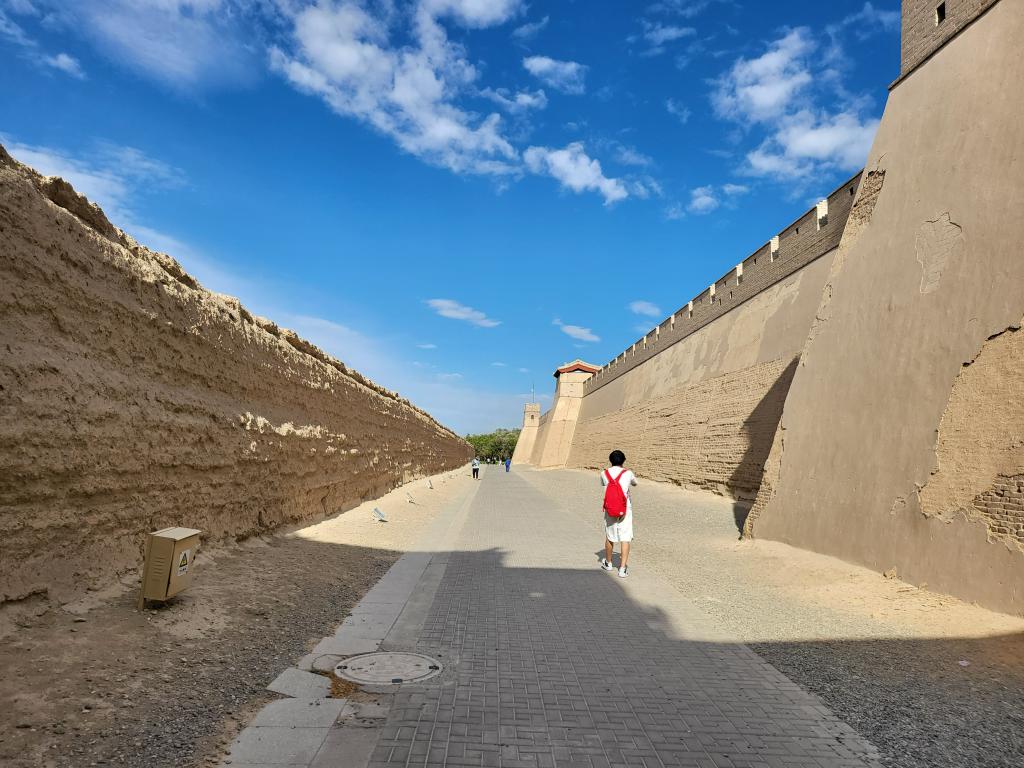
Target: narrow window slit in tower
940 13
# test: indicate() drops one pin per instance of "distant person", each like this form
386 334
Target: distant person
476 468
618 512
508 463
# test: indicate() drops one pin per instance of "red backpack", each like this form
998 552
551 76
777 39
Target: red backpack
614 496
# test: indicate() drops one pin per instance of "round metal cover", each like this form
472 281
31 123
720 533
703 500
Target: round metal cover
388 668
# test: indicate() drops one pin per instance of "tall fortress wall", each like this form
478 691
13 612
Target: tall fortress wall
902 440
697 400
870 396
133 399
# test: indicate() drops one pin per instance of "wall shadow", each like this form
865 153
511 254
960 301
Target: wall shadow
552 667
759 428
564 663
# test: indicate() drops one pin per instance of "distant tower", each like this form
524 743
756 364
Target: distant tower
528 434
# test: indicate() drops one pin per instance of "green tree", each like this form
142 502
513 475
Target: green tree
496 445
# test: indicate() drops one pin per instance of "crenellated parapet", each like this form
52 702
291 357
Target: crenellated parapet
815 234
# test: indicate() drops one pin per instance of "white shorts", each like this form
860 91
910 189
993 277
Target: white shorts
618 529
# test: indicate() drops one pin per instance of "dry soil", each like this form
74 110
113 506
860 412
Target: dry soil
100 683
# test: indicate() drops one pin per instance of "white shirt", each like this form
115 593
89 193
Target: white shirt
626 479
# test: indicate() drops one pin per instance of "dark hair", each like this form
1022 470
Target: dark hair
617 458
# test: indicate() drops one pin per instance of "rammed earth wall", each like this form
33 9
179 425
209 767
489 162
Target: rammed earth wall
133 399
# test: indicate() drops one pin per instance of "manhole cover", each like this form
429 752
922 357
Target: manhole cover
388 668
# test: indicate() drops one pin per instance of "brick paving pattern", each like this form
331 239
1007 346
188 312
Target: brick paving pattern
551 661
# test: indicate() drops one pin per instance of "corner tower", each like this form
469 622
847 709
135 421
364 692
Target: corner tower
527 435
558 425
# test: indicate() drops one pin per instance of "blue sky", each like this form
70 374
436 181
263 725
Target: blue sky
452 196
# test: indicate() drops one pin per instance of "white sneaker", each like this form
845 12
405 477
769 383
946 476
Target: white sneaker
606 565
623 572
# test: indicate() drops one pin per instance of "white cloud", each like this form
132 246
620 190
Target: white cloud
575 170
22 7
516 103
645 308
806 142
454 310
781 91
12 32
182 43
523 370
565 76
66 64
426 346
577 332
674 212
707 198
632 156
473 13
643 187
679 111
449 376
867 21
657 35
685 8
28 48
345 55
764 88
499 365
530 30
702 200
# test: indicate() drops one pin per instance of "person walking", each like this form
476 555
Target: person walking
508 463
618 512
476 468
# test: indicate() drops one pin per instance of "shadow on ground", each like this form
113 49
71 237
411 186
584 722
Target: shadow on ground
554 634
568 658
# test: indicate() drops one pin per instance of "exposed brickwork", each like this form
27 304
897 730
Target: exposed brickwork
799 244
714 435
1002 508
922 36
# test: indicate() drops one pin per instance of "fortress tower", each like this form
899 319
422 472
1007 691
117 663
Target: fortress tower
528 434
557 427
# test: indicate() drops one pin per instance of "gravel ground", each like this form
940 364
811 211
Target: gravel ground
108 685
931 681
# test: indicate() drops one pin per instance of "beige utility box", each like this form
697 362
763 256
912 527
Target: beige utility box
168 567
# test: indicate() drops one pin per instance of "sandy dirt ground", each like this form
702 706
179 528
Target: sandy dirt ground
100 683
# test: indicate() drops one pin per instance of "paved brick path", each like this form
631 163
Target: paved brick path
553 662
